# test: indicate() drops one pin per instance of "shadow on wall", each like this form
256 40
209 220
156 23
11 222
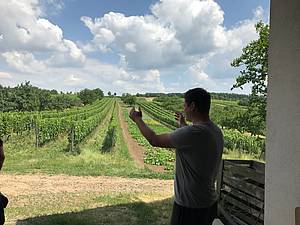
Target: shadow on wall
137 213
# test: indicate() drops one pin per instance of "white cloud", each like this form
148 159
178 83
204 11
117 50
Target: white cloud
178 32
23 61
152 76
218 63
259 13
70 55
150 44
74 80
23 29
131 47
180 38
198 24
5 75
197 72
93 74
142 82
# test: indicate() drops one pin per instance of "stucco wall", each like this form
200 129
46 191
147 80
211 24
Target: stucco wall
283 116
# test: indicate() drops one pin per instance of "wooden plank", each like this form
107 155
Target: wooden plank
242 191
238 218
239 161
245 172
247 220
225 216
250 189
243 208
259 166
243 197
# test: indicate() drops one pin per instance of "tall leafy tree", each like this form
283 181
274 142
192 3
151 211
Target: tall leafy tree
128 99
88 96
254 63
25 97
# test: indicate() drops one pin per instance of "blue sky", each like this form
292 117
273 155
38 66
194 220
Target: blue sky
129 46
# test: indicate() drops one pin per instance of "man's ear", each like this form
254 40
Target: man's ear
193 106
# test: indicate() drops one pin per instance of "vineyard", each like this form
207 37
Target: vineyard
78 123
90 140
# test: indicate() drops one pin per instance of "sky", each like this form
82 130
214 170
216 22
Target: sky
126 46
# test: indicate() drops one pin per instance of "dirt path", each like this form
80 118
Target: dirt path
34 195
14 185
136 151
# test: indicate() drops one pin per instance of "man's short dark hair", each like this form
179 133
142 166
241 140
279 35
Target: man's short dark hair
200 97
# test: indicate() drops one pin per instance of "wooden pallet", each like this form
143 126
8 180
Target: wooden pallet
241 189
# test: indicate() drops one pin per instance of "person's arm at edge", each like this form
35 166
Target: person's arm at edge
2 156
161 140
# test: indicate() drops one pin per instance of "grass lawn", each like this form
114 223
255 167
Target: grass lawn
113 209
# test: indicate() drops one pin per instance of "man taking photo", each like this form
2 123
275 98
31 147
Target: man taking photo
199 149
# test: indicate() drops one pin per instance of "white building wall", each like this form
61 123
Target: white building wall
282 193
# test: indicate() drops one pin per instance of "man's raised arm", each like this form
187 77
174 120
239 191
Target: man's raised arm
161 140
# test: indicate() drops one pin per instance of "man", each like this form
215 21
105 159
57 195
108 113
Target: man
3 199
199 149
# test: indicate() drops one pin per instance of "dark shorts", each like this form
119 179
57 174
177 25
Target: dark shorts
190 216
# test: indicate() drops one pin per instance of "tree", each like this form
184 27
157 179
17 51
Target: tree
254 60
172 102
25 97
88 96
109 93
128 99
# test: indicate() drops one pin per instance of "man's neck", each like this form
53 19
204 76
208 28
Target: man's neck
200 119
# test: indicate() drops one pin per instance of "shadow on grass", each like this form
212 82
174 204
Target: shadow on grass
136 213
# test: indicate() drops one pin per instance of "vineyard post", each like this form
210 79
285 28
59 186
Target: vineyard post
36 135
72 138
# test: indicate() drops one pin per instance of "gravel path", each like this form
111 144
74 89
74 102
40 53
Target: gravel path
14 185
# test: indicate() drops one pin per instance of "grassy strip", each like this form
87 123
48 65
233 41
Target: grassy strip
110 138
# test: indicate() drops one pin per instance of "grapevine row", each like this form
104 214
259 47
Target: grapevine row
79 122
82 128
159 114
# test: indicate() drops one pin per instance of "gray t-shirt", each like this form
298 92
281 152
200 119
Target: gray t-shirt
199 151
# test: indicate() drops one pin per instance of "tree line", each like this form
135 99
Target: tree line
26 97
221 96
